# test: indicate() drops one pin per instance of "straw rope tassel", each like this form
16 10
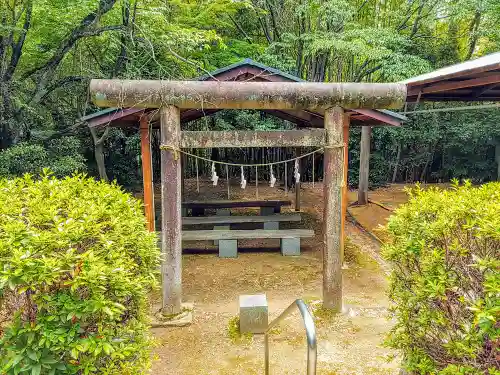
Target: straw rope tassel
243 180
214 178
272 179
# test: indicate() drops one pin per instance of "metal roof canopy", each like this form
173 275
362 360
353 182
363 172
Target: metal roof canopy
473 80
246 70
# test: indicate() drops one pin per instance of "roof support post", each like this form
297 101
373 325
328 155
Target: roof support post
345 200
333 188
364 164
147 173
171 234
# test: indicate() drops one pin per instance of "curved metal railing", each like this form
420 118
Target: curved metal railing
310 335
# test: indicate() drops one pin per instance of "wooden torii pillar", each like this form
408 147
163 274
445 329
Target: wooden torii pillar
169 96
171 208
364 164
147 172
333 195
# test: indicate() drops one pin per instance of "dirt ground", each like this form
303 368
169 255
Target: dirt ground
348 344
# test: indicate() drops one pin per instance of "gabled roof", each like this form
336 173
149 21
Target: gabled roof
247 70
473 80
249 63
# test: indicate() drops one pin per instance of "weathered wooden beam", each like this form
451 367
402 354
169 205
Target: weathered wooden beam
147 173
332 219
122 114
491 97
380 116
364 164
246 95
485 89
171 269
286 138
455 85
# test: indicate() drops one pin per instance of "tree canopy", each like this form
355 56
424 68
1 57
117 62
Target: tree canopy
49 49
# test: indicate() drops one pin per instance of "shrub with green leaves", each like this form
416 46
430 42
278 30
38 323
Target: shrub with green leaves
62 156
445 282
76 265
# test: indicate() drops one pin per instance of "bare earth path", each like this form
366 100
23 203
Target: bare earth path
348 344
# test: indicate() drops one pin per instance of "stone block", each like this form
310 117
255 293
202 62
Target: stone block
254 313
290 246
228 248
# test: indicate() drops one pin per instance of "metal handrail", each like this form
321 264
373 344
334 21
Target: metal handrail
310 335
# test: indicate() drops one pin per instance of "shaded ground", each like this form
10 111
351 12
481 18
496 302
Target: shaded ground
372 216
348 344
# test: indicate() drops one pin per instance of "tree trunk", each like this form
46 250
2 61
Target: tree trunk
99 152
396 165
473 32
427 162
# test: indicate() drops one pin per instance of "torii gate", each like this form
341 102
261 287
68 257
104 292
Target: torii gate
170 96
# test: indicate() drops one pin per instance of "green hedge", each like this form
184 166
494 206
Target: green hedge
446 280
62 156
76 265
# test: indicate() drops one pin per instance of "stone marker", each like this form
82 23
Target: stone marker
253 313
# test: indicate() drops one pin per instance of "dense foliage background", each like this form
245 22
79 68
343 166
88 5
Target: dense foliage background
50 48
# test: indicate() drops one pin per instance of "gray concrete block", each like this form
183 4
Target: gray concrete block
228 248
290 246
254 313
272 225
